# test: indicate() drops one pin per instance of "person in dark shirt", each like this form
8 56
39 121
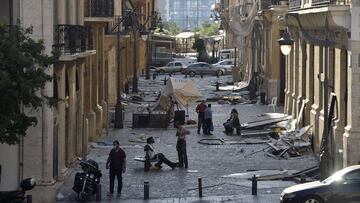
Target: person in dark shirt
117 165
150 154
200 109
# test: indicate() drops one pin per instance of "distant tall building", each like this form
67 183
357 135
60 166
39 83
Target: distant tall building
162 6
189 14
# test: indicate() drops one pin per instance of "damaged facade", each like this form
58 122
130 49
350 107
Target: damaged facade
84 84
297 79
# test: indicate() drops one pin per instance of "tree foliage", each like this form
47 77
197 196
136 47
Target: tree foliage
208 29
22 74
199 46
171 28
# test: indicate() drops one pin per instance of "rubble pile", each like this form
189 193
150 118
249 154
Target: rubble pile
291 144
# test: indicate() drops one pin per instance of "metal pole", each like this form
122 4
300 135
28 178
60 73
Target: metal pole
135 78
118 107
147 73
325 155
146 189
200 187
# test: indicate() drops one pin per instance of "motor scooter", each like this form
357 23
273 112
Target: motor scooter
19 196
87 182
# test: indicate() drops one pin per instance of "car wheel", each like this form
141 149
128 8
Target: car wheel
312 199
162 72
219 72
192 73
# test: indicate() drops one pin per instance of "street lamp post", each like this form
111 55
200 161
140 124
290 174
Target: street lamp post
285 44
118 107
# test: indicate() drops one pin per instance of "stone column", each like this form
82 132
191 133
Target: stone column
88 102
102 99
80 12
60 75
315 111
60 10
95 85
80 107
71 12
295 77
71 118
310 82
290 64
300 80
352 131
340 91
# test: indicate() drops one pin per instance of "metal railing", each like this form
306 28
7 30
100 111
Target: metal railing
71 39
294 4
100 8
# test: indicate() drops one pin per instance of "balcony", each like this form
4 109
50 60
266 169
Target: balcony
72 39
99 8
296 4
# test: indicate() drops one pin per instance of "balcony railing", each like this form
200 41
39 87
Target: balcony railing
71 39
296 4
100 8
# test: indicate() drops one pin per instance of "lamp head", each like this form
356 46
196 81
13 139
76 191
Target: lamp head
286 43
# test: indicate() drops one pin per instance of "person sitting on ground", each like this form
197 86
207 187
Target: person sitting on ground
150 155
233 122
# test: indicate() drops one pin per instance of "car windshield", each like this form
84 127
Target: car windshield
336 176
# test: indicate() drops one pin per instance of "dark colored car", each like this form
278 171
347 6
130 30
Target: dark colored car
343 186
202 68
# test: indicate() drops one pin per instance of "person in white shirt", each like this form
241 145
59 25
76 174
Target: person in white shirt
151 155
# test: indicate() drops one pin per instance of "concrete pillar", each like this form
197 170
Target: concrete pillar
88 102
60 75
71 111
301 79
95 83
291 93
295 77
352 131
340 91
60 11
80 106
317 105
309 81
80 12
71 12
102 100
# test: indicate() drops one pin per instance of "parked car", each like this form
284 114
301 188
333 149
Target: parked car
171 67
342 186
202 67
226 64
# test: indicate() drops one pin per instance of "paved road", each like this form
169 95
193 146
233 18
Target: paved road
210 162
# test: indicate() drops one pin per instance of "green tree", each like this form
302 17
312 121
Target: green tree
171 28
22 74
208 29
199 46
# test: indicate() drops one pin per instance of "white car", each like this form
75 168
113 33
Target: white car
226 64
171 67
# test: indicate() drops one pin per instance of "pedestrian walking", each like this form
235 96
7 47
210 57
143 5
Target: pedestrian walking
181 133
200 109
116 162
151 155
208 120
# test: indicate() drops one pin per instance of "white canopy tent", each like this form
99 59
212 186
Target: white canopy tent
182 91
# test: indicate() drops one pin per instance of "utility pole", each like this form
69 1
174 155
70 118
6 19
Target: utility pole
197 13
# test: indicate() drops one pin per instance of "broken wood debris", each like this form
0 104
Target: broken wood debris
290 144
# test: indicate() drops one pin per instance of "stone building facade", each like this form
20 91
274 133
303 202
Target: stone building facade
84 84
305 67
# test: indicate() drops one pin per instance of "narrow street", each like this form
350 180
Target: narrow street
210 162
